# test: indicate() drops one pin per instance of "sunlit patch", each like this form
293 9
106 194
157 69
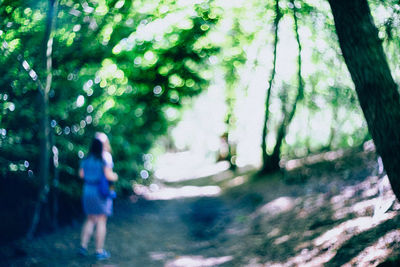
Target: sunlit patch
274 232
279 205
237 181
334 238
311 258
370 192
302 246
167 193
159 256
337 236
175 167
377 252
382 205
197 261
328 156
363 208
310 205
281 239
368 188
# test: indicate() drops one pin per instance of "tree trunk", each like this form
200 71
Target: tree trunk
230 124
271 163
44 134
332 133
376 90
55 184
265 159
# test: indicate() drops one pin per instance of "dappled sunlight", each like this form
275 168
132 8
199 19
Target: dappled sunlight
331 221
383 204
237 181
362 208
297 163
158 256
155 192
377 252
281 239
197 261
376 206
383 198
324 248
305 258
274 232
310 205
336 236
277 206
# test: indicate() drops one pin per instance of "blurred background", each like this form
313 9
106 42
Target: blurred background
183 89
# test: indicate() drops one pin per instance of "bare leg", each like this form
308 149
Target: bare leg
101 230
87 230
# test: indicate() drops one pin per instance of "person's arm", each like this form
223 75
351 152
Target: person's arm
108 167
110 175
81 173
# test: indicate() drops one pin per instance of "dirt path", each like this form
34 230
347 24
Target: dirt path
336 216
146 233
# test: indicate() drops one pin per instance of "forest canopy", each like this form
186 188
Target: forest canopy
118 67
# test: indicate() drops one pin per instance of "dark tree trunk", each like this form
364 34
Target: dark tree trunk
44 133
265 158
54 184
332 133
376 90
230 125
271 162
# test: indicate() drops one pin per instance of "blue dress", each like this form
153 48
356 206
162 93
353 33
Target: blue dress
93 203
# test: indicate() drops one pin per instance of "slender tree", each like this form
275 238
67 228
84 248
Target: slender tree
55 183
45 125
231 79
271 162
377 92
278 16
230 125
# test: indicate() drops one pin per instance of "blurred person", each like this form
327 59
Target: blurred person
106 148
97 209
107 157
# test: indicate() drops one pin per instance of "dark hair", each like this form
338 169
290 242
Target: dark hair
96 149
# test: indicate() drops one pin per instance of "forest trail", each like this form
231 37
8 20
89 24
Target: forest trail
343 213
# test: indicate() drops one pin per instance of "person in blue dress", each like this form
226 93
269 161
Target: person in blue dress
96 208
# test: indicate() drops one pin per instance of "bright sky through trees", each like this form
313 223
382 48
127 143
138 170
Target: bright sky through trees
205 120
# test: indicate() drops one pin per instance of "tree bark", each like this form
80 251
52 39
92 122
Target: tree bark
377 92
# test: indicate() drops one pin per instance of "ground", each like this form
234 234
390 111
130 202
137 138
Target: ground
332 209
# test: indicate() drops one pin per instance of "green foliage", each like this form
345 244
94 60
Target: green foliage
386 15
115 70
127 67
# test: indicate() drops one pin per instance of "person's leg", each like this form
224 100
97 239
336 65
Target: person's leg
87 230
101 230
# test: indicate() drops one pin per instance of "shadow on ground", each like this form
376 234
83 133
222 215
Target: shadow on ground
332 212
